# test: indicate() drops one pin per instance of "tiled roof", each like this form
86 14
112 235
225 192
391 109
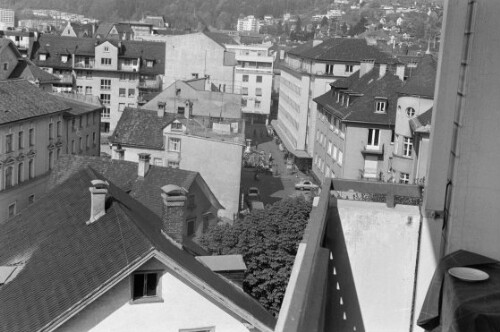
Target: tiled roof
340 49
58 45
124 174
78 107
20 100
103 30
62 261
423 79
131 128
362 108
221 38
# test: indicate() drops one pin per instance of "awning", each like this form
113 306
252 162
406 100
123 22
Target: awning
288 145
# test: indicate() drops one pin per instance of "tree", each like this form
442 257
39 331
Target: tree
268 240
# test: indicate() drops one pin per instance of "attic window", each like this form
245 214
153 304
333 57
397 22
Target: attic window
146 287
149 63
42 57
380 106
106 48
176 125
64 58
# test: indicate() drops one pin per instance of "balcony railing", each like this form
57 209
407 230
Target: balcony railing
149 84
86 65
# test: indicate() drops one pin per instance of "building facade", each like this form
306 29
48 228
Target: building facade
33 135
7 18
306 73
254 80
117 72
249 23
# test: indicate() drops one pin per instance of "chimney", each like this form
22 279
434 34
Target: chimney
365 67
382 70
173 215
117 152
161 109
400 71
98 193
143 164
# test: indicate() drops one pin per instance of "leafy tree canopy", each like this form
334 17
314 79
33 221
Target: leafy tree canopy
268 241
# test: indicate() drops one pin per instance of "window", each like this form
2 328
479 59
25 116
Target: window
64 58
380 106
258 79
243 102
106 61
73 146
340 158
191 222
349 68
123 92
31 168
79 89
88 74
329 69
105 98
80 145
190 202
146 285
93 139
121 107
8 177
87 142
194 75
73 124
335 151
174 144
20 140
244 91
58 153
245 78
181 110
105 84
88 90
329 150
158 162
20 172
105 113
31 199
131 93
51 159
149 63
8 143
407 146
51 130
258 92
410 111
6 66
31 138
42 57
373 137
176 126
173 164
12 210
257 103
404 178
106 48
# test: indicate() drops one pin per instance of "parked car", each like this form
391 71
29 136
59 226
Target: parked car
305 185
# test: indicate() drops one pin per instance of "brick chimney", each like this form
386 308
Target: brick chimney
173 214
98 192
143 168
365 67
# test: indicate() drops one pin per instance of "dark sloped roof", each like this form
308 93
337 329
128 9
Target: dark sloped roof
221 38
423 79
141 127
20 100
362 108
422 123
63 261
78 107
28 70
425 118
341 49
103 30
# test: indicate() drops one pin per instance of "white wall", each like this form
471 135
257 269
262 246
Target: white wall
382 247
183 308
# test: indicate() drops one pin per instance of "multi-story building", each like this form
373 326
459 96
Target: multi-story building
7 18
354 135
117 72
191 99
254 80
22 39
212 147
305 74
249 23
199 55
413 116
35 129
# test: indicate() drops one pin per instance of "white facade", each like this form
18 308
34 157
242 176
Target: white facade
182 306
7 18
249 23
253 78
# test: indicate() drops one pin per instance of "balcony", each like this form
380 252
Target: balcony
128 67
149 84
373 149
65 78
86 65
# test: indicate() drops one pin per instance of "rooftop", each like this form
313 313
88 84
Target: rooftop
423 79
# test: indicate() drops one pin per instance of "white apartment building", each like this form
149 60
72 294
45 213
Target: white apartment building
7 18
249 23
253 79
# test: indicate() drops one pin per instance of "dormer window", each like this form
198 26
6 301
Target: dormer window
64 58
343 96
176 125
42 57
149 63
161 105
348 98
380 106
338 97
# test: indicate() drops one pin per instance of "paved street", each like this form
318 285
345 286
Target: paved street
273 187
